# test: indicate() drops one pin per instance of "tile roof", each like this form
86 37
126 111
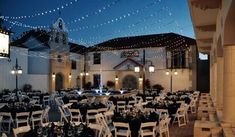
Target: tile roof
40 35
75 48
168 40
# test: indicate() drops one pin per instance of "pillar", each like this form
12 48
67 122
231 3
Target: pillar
215 82
219 88
212 76
229 85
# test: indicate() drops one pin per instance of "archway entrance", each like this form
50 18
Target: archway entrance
59 81
129 82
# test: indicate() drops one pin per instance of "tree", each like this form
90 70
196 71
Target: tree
110 84
158 87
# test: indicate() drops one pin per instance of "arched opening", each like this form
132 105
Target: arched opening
59 81
129 82
229 26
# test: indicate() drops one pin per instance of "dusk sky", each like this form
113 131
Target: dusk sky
93 21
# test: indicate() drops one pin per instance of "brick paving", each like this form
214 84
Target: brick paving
184 131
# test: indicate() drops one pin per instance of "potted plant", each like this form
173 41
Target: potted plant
158 87
110 84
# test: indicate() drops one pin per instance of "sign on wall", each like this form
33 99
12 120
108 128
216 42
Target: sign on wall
4 45
127 54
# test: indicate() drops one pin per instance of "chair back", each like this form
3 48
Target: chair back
102 110
20 130
91 114
62 115
37 114
98 129
22 117
150 126
108 116
149 99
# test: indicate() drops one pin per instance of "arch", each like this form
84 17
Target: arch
59 81
129 82
229 25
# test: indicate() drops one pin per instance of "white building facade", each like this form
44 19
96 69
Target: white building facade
50 62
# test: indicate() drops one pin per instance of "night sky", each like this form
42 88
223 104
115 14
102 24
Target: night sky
93 21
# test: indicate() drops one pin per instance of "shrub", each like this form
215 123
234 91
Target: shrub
110 84
158 87
147 84
87 85
27 88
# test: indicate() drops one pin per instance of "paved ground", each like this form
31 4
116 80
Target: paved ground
184 131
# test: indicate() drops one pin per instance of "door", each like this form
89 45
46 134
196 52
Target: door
129 82
59 80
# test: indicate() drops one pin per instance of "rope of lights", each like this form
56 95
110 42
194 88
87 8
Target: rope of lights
116 19
50 11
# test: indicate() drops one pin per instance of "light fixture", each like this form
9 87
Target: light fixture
81 74
87 73
151 68
16 70
175 73
167 73
116 78
12 71
70 76
53 75
19 71
140 79
137 69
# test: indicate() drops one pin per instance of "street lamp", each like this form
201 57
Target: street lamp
171 73
151 70
16 70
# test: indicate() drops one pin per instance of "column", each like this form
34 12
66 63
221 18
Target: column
219 88
211 76
215 82
229 85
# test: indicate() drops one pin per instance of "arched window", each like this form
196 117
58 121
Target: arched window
57 37
64 39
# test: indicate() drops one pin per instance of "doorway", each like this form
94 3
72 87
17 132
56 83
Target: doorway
129 82
59 81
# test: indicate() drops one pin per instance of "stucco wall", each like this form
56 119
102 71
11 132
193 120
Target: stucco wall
7 80
109 59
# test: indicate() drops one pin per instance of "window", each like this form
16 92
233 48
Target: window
97 58
59 58
64 39
96 80
176 59
74 65
57 37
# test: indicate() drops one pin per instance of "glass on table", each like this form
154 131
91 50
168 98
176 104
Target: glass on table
39 130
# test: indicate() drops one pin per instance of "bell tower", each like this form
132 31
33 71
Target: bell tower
59 37
59 53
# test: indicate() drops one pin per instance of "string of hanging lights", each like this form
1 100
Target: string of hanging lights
176 42
122 17
46 12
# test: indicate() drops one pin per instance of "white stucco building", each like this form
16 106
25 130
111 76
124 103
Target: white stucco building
114 60
50 62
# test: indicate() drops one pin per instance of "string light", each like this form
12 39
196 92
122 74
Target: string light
51 11
122 17
97 12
